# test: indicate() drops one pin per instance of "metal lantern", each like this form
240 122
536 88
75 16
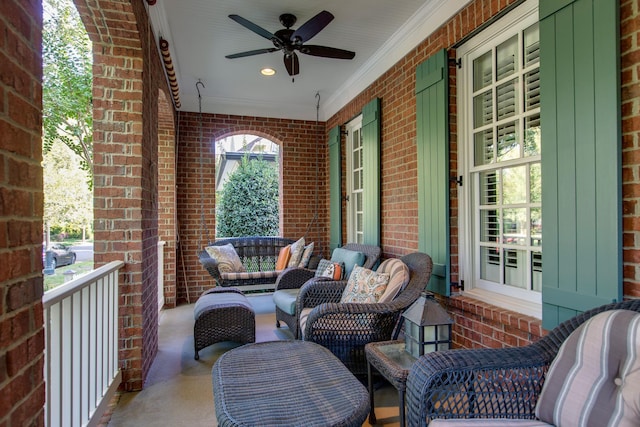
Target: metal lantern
427 326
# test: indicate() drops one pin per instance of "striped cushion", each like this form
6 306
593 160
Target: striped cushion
398 277
250 275
595 378
487 422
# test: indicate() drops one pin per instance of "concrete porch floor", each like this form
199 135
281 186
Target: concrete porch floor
178 390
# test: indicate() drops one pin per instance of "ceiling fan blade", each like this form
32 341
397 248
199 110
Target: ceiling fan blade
312 27
292 64
327 52
251 52
253 27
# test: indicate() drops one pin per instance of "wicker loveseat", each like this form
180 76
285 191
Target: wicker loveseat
258 255
469 387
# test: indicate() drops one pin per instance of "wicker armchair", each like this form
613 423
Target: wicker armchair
294 278
488 383
345 328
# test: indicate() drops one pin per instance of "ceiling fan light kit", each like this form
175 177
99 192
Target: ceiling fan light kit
288 40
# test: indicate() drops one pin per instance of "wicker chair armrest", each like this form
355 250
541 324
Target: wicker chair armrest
293 278
211 265
366 322
319 290
482 383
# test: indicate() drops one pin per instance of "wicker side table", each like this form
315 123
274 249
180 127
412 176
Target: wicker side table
393 363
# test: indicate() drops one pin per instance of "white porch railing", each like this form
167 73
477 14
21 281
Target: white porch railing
81 347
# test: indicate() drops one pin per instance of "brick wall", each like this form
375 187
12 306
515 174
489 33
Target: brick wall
22 390
478 324
303 149
167 195
630 78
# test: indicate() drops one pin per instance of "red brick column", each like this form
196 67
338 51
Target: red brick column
128 78
22 390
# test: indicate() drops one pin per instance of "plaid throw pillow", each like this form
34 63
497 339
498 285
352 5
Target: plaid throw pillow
330 269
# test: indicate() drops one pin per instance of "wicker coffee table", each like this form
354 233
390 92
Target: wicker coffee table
286 383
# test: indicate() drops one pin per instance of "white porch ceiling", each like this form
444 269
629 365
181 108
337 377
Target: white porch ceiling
200 34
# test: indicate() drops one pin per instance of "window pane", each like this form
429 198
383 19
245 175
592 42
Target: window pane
532 90
482 71
514 185
489 226
506 58
514 226
532 135
507 99
508 146
482 109
483 142
490 264
536 271
358 197
515 268
535 183
536 227
531 38
489 188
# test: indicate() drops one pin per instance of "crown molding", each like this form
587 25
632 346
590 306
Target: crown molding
421 25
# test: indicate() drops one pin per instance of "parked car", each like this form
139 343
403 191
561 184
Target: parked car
61 254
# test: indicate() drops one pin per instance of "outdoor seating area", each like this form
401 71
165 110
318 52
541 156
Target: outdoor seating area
277 194
248 384
180 390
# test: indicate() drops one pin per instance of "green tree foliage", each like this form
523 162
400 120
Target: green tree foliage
248 202
67 82
67 199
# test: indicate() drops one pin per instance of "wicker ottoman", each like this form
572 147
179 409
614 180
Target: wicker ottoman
288 384
222 314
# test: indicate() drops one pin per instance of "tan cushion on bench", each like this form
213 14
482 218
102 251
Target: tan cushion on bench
250 275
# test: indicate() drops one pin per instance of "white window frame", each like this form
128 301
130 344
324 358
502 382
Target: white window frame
519 300
354 127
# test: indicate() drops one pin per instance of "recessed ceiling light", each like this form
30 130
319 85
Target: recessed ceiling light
267 71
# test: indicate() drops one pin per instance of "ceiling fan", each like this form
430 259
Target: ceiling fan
288 40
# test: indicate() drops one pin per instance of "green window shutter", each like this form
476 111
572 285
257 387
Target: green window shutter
335 189
581 185
371 178
433 167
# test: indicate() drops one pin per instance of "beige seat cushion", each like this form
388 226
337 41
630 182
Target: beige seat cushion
595 378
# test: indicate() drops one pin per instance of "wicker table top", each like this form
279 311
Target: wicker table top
286 383
390 359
